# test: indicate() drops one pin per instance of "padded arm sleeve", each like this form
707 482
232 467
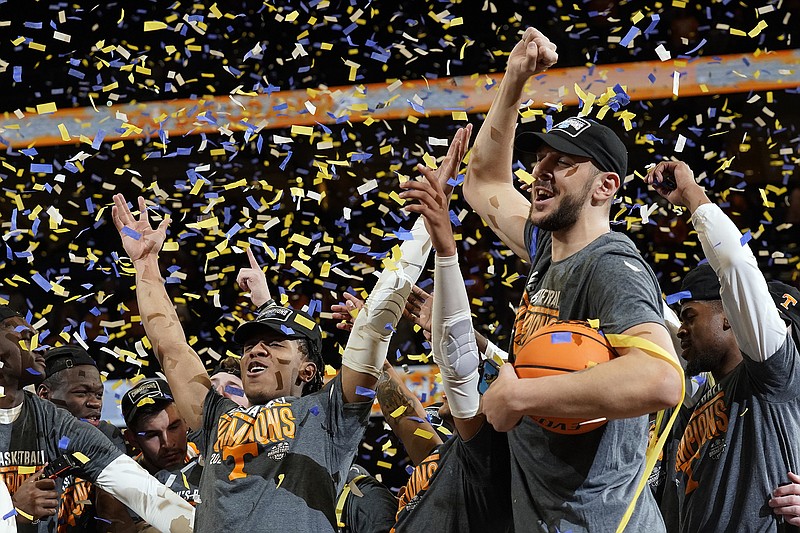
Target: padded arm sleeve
454 346
128 482
748 305
368 343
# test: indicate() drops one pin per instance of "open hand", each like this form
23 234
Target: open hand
139 238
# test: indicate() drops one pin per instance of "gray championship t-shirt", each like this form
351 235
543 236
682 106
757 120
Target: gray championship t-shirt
461 486
583 482
740 442
41 434
277 467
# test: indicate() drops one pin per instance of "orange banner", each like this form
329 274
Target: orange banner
303 109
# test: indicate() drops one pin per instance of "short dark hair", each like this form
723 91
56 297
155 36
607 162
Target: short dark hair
316 382
54 382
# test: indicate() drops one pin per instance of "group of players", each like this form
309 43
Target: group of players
275 453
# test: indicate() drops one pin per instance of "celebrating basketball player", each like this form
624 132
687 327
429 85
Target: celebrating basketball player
581 270
741 439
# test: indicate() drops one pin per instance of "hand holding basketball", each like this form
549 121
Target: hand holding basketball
498 402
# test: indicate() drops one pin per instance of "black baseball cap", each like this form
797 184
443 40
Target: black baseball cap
701 283
68 356
290 322
584 137
145 392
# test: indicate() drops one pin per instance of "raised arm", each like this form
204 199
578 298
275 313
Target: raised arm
749 308
401 408
253 280
368 343
489 186
185 372
454 347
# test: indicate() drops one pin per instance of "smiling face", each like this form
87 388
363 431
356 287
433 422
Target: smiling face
273 366
79 391
562 188
20 366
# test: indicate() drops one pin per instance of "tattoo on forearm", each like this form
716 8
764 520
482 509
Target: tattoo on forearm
391 396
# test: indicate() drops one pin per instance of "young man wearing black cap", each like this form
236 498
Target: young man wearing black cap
34 432
581 270
741 439
157 429
73 383
290 451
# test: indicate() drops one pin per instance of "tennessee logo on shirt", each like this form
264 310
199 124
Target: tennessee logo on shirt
240 432
709 422
535 313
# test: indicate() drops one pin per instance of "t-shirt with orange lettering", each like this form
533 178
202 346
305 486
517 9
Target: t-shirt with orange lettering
40 433
460 486
277 467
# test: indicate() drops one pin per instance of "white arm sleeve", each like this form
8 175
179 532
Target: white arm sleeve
454 346
673 324
748 305
368 343
128 482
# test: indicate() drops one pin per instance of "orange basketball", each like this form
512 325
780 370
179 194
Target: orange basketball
558 348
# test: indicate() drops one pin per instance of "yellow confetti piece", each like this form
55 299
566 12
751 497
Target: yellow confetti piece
280 480
26 469
80 457
305 322
144 401
64 133
302 240
399 411
171 246
384 464
422 433
459 115
762 25
215 11
153 25
46 108
302 130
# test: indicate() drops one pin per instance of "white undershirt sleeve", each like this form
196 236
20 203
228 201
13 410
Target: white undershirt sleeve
746 300
159 506
454 346
368 343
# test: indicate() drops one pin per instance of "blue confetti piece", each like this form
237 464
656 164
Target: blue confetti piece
745 238
678 296
314 410
696 48
287 330
285 161
632 33
41 167
409 469
363 391
359 248
17 74
98 139
33 372
654 19
561 337
63 443
233 390
12 512
40 281
131 233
